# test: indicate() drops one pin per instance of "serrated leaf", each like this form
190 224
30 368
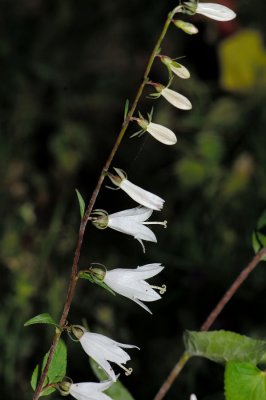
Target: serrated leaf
223 346
117 391
259 235
81 203
56 371
244 381
41 319
126 109
87 275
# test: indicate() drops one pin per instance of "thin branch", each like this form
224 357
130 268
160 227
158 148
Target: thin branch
210 320
74 271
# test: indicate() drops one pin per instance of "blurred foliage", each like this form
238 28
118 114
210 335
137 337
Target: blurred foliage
67 68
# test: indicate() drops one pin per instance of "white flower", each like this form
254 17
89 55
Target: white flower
175 67
161 133
132 222
138 194
193 397
175 98
131 283
102 349
90 390
215 11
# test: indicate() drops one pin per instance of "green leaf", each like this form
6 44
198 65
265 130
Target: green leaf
41 319
223 346
259 235
56 371
244 381
117 391
81 203
126 109
87 275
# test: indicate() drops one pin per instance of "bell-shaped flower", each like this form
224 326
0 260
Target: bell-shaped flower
102 350
174 67
159 132
132 222
138 194
131 283
175 98
214 11
193 397
186 27
85 390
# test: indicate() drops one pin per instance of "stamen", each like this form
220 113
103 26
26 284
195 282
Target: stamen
128 371
164 223
161 289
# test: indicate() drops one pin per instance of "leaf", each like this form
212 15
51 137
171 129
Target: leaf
223 346
81 203
56 371
117 391
41 319
126 109
244 381
87 275
259 235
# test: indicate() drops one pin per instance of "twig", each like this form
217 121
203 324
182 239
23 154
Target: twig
210 320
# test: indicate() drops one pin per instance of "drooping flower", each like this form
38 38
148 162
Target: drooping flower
132 222
177 68
214 11
193 397
85 390
187 27
131 283
138 194
102 349
175 98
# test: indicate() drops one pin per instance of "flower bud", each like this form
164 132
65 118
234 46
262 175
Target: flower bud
78 331
98 272
187 27
176 68
64 386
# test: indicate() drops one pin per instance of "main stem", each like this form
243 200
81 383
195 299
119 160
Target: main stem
210 320
74 271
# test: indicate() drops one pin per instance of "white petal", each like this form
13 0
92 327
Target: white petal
90 390
142 305
216 11
193 397
142 196
137 214
176 99
180 70
135 229
161 133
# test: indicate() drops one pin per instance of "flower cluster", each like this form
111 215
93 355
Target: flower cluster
127 282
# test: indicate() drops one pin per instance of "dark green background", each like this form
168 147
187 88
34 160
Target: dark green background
66 69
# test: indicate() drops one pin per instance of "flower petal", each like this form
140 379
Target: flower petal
161 133
142 196
90 390
215 11
176 99
139 214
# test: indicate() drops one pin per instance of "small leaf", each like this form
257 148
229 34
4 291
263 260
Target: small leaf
259 235
41 319
244 381
126 109
81 203
223 346
117 391
56 371
89 277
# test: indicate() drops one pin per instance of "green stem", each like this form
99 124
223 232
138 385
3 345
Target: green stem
211 319
74 271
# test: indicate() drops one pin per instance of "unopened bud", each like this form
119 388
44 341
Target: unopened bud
78 331
64 386
187 27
